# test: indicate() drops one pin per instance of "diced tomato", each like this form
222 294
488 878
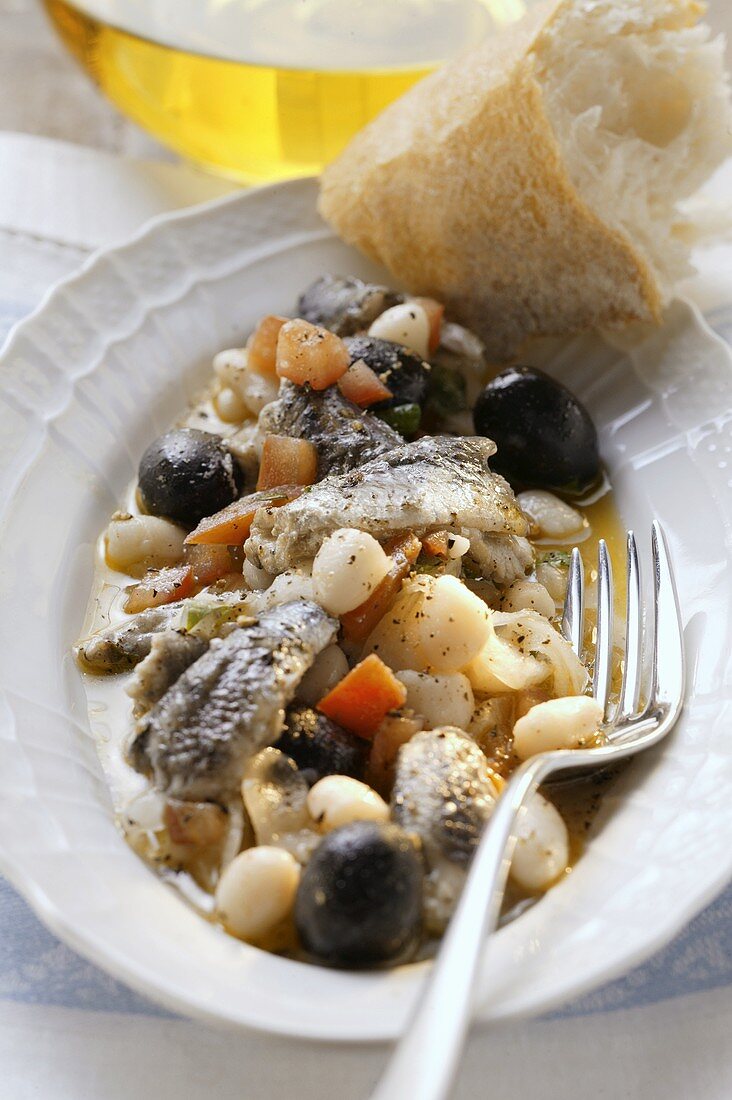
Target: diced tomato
232 524
209 563
394 731
406 546
362 385
287 461
307 353
158 587
437 543
435 311
262 346
364 697
358 624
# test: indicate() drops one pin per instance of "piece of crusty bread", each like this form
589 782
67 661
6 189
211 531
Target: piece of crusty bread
533 185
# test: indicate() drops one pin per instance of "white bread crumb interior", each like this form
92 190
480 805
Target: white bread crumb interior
656 133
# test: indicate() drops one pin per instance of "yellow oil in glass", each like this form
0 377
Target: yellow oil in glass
265 89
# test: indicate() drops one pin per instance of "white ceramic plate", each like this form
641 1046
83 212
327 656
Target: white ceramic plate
102 367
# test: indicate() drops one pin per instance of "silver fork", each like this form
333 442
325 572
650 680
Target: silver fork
423 1064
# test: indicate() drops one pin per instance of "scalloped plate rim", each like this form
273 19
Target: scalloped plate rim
53 916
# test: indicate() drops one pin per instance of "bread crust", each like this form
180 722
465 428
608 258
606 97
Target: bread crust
460 190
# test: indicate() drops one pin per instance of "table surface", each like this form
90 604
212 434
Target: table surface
43 91
69 1032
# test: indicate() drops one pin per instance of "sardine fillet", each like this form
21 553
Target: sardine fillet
343 435
171 653
443 792
500 558
423 486
230 703
120 647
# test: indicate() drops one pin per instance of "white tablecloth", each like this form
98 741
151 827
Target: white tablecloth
70 1032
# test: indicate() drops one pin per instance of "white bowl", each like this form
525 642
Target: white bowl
101 368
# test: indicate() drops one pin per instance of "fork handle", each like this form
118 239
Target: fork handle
424 1061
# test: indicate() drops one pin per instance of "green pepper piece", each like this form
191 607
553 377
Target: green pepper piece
405 419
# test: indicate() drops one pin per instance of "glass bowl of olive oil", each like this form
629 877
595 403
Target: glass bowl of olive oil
265 89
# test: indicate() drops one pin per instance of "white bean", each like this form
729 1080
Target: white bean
553 579
541 854
525 595
229 364
257 891
395 638
556 724
442 700
347 568
293 584
454 626
257 579
329 669
406 324
338 800
256 390
554 518
135 543
230 406
458 546
145 814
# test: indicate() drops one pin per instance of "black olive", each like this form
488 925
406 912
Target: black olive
359 902
545 436
186 475
402 370
321 747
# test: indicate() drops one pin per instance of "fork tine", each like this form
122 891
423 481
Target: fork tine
573 616
633 670
604 643
667 691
